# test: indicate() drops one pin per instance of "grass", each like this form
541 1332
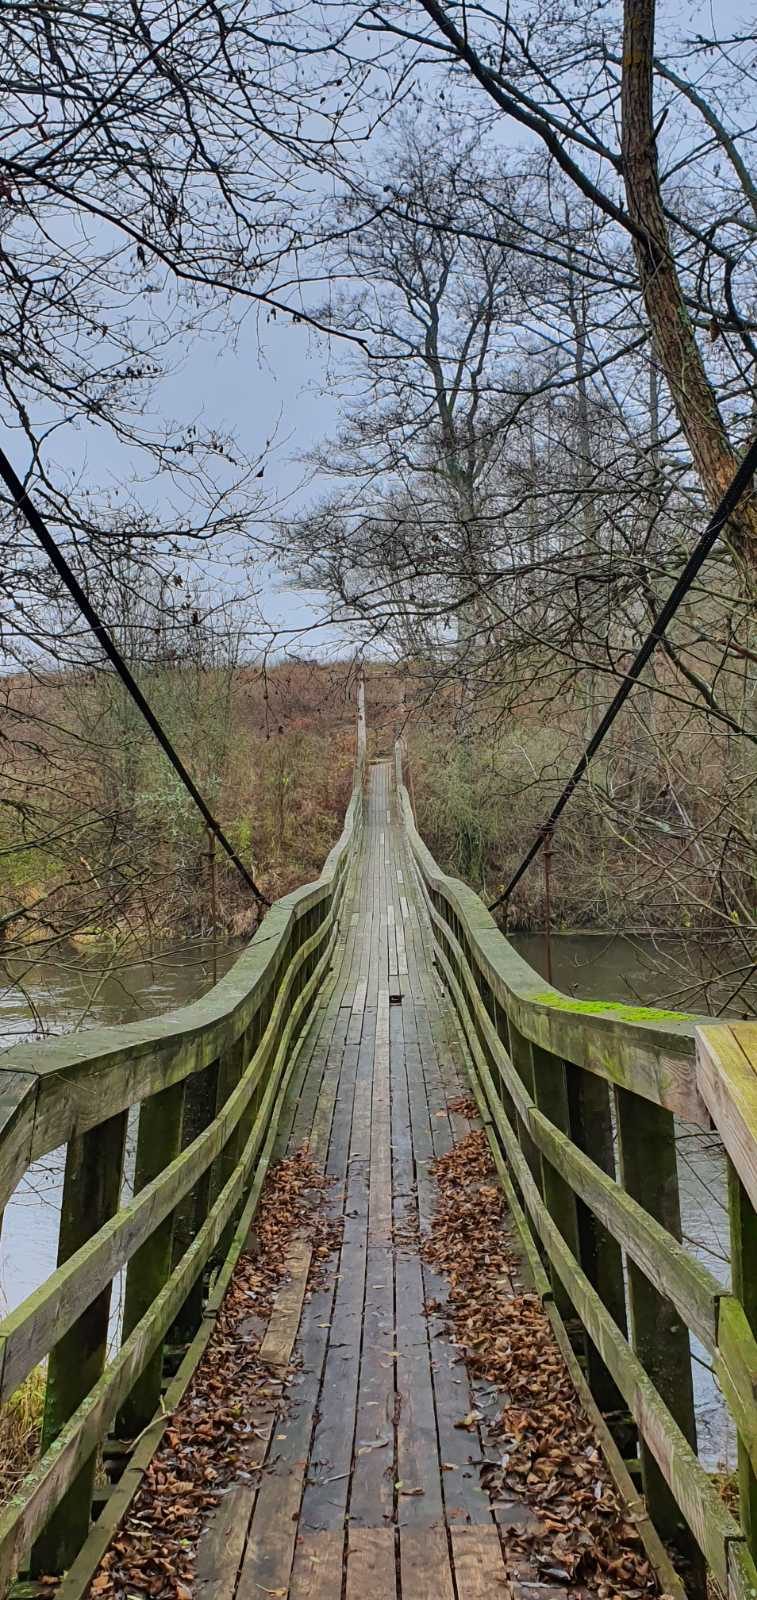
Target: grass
20 1428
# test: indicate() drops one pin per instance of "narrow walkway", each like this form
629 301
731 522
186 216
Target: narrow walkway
370 1465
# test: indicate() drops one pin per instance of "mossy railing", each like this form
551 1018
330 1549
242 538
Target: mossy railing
209 1081
579 1102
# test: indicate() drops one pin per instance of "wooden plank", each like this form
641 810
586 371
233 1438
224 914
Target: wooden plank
478 1563
425 1571
278 1342
326 1492
221 1544
727 1079
420 1498
317 1569
372 1484
270 1552
371 1564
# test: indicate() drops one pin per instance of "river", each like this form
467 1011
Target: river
85 992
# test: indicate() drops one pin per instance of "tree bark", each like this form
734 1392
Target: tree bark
674 338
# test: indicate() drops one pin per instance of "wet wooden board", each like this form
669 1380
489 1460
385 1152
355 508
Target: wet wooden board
425 1568
371 1564
367 1487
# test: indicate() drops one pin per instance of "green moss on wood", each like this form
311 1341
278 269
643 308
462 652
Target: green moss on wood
563 1002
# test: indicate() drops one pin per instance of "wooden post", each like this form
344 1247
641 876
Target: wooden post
91 1194
600 1254
744 1286
522 1060
230 1070
199 1109
649 1173
158 1142
551 1096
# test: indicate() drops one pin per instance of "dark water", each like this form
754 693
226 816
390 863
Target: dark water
87 992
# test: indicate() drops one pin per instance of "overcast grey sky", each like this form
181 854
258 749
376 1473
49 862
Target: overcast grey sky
274 379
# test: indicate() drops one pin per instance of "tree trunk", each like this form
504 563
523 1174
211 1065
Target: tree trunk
675 341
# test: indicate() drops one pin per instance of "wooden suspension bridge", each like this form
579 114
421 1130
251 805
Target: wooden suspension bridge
375 1019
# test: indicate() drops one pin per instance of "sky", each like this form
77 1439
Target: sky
275 379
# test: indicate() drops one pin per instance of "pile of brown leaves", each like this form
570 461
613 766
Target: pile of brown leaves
548 1459
207 1445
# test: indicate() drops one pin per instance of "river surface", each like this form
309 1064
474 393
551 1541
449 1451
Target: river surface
38 999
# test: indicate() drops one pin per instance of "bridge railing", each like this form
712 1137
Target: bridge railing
209 1081
579 1101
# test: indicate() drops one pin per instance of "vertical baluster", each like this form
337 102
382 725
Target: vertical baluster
600 1255
744 1285
551 1096
91 1193
158 1143
646 1141
522 1060
199 1109
230 1069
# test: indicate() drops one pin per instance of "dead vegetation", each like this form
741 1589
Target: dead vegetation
212 1439
549 1459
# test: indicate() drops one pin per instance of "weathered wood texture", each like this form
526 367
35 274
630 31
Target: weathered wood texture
538 1061
228 1106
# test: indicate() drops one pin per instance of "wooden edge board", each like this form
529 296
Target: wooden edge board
633 1502
79 1575
536 1272
712 1525
29 1508
694 1290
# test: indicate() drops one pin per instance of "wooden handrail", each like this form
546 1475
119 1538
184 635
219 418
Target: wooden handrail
523 1039
77 1091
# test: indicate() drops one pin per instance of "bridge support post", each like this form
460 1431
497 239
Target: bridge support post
649 1173
158 1143
522 1060
744 1285
551 1096
230 1069
600 1256
199 1109
91 1193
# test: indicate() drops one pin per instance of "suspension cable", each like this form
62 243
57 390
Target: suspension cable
68 577
733 494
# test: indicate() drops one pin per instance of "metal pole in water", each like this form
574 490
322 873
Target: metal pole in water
548 901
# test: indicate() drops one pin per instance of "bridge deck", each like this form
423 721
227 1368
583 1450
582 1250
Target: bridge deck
362 1481
370 1443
